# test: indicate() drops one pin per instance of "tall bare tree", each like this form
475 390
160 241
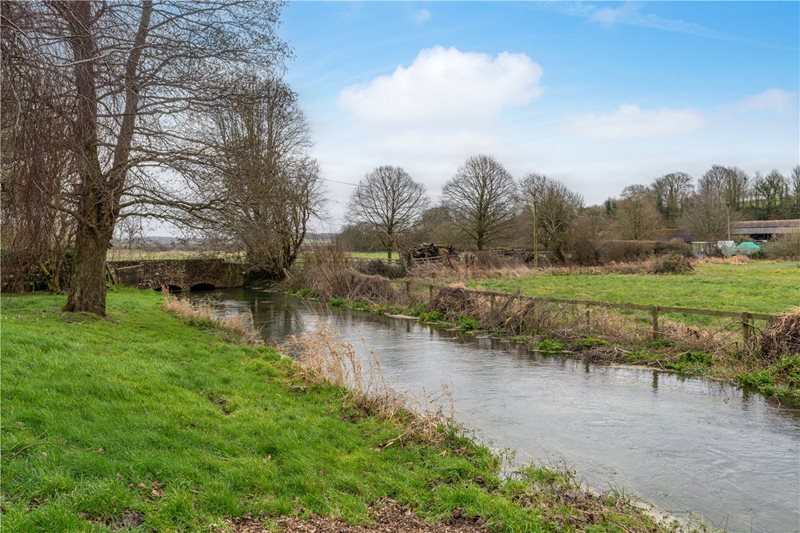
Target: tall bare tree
258 174
130 75
637 216
390 201
672 192
709 211
554 209
481 198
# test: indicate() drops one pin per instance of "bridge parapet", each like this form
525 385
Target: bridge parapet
179 274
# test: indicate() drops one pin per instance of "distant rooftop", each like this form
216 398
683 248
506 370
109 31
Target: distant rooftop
765 227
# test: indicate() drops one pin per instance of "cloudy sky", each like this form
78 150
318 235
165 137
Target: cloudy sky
598 95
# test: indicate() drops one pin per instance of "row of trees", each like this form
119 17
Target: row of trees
165 109
483 205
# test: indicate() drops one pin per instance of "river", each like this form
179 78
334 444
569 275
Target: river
687 445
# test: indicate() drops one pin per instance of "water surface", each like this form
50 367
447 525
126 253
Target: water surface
687 445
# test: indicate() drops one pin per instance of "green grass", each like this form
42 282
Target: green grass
372 255
141 414
758 286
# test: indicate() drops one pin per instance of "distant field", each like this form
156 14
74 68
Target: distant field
121 254
760 287
372 255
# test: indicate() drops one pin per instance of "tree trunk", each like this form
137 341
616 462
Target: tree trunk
87 289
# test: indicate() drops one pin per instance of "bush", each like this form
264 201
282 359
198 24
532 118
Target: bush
672 264
378 267
673 246
786 246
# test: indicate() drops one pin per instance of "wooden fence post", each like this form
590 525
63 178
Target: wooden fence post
588 318
491 302
408 287
746 329
430 293
656 333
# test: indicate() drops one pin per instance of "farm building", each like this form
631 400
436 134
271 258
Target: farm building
764 229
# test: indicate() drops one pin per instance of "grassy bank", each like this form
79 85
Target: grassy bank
778 379
757 286
142 421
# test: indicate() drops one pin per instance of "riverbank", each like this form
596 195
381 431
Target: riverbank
779 380
142 420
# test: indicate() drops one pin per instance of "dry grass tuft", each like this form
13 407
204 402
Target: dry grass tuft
242 325
322 357
782 337
733 260
454 302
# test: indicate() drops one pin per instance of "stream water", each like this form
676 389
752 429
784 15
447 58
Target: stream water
686 445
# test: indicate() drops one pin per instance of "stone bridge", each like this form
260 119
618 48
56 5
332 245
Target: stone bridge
179 274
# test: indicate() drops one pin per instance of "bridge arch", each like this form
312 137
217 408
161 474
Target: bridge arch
202 287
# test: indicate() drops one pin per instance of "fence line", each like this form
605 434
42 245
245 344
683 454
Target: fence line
746 317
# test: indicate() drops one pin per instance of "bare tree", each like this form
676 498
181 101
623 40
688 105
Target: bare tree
732 182
637 216
553 209
259 176
130 74
672 192
794 180
36 168
709 213
390 201
481 198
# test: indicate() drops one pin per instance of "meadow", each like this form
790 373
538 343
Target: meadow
142 421
756 286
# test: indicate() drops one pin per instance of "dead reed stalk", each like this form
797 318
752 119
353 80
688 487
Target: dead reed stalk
242 325
322 357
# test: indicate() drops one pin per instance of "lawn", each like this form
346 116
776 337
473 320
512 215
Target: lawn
758 286
142 421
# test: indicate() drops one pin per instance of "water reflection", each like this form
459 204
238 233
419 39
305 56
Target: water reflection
684 444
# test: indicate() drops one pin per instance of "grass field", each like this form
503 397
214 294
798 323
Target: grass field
757 286
143 422
372 255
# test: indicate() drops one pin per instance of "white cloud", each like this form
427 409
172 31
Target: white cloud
422 16
775 100
444 87
631 14
630 121
613 15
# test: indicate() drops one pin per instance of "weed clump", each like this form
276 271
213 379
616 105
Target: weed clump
782 337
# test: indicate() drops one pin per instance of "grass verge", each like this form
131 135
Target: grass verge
141 421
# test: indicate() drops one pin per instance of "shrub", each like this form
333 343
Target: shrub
673 246
672 264
378 267
786 246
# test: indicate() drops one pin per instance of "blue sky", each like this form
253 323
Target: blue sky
598 95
